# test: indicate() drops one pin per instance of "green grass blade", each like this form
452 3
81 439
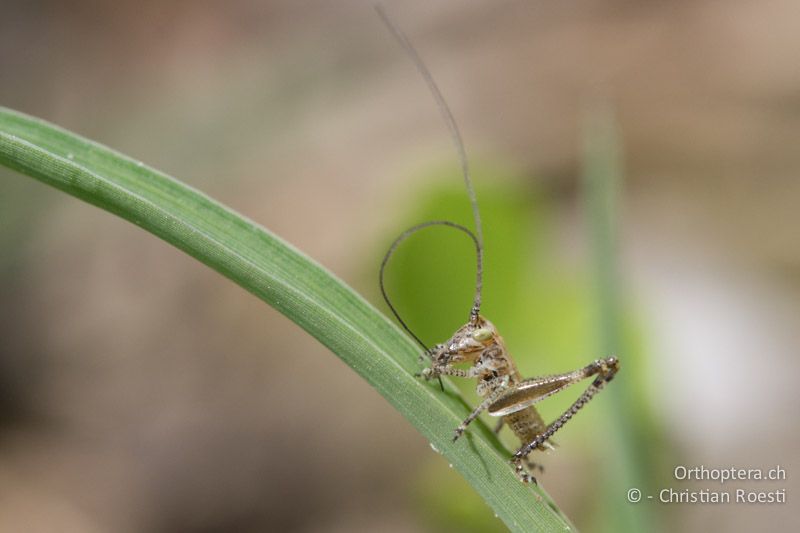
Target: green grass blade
287 280
602 183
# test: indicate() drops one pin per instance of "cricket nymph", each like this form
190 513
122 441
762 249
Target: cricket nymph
505 394
480 345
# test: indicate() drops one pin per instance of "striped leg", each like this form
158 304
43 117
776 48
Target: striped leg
604 370
501 389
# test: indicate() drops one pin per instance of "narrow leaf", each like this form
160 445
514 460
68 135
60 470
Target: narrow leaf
289 281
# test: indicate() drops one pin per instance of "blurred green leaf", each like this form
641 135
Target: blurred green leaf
635 436
287 280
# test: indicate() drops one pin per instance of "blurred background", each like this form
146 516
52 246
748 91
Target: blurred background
637 169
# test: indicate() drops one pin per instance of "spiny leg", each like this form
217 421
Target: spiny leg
448 370
528 463
604 369
500 389
533 390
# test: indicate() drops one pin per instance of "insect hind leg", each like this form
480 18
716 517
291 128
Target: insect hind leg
604 369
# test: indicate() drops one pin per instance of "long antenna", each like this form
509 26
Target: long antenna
409 49
403 236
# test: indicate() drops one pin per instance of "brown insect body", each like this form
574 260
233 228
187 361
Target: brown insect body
494 369
504 392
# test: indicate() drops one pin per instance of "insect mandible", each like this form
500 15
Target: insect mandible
503 391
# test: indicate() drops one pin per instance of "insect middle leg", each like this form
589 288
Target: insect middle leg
497 390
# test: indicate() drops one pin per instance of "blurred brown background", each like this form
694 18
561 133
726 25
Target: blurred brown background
140 391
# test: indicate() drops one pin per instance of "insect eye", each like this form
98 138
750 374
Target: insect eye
482 334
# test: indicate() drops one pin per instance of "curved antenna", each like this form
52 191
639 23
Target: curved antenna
403 236
409 49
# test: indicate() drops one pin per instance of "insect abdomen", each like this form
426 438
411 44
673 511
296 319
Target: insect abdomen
526 423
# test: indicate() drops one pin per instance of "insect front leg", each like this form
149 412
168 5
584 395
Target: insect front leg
435 371
604 369
430 352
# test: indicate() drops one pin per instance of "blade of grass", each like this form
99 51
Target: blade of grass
602 181
289 281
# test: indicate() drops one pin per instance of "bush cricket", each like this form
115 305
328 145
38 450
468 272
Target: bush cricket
503 391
